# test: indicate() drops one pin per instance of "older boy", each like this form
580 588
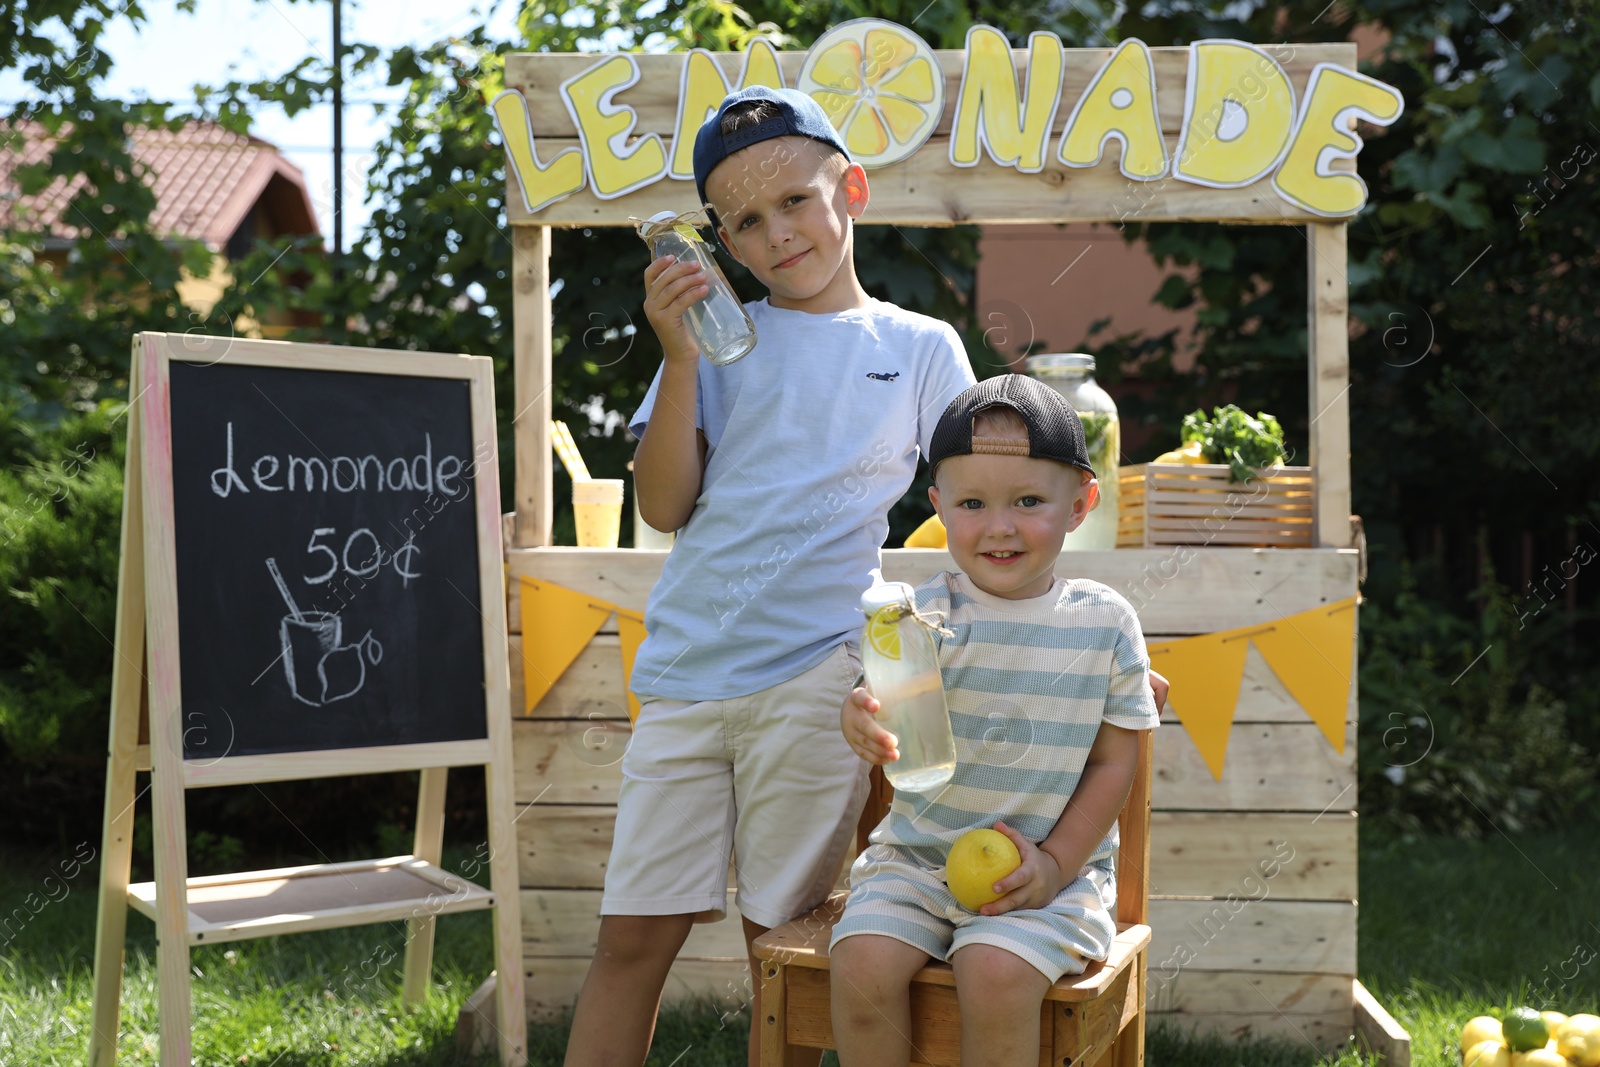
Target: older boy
778 471
1047 681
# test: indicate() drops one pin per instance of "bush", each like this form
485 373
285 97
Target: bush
1456 737
60 514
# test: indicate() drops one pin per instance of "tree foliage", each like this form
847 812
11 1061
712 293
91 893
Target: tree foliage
1472 279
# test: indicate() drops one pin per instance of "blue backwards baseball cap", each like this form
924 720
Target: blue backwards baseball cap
798 116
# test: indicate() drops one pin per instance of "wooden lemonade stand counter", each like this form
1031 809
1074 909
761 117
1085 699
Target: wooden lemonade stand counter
1253 860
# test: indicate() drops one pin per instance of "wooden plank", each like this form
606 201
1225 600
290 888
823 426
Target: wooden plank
427 844
531 355
1378 1031
1262 697
1133 831
1175 590
565 761
566 922
552 984
1327 1032
1196 992
925 190
1269 767
1296 936
499 775
564 846
127 692
377 759
169 825
1289 856
654 100
1328 297
302 355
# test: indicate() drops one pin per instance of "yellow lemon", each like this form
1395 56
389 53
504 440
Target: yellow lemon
1490 1053
884 632
1539 1057
1189 453
930 534
1578 1040
881 86
1553 1020
978 860
1483 1028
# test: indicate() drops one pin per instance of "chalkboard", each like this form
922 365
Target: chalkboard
327 559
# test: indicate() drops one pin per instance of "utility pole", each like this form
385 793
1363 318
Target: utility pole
338 139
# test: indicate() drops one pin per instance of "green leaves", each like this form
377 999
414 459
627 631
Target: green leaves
1231 436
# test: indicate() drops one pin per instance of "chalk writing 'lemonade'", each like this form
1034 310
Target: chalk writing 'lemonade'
343 474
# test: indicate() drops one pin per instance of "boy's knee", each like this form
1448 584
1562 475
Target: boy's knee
641 939
991 982
863 971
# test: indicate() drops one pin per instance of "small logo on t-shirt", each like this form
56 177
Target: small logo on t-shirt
885 377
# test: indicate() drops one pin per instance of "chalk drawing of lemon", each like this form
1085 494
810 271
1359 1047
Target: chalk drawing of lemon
880 84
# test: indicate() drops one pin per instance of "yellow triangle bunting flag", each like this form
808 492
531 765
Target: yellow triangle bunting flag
557 624
1204 673
1311 653
630 628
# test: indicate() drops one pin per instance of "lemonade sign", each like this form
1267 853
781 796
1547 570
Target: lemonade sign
885 91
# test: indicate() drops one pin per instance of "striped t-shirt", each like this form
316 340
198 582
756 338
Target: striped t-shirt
1028 684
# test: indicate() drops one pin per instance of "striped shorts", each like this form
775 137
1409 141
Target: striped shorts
893 895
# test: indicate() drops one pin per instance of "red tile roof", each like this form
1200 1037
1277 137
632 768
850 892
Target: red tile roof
205 178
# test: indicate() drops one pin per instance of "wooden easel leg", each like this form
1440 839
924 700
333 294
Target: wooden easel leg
116 859
127 692
511 1009
172 909
428 845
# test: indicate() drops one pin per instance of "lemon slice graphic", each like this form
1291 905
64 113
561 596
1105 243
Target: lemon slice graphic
881 86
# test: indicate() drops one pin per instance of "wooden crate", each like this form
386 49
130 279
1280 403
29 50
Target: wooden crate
1196 504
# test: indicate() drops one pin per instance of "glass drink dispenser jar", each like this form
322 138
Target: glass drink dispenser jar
1072 375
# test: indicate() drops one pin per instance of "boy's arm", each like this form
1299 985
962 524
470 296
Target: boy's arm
1055 862
671 458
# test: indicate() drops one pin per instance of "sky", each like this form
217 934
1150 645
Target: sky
250 40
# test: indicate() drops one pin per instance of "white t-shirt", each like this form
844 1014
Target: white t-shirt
813 437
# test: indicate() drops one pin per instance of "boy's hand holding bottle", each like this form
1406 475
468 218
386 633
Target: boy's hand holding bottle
670 287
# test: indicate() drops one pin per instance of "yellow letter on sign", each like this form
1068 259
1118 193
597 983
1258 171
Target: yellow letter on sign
541 185
703 89
1014 134
1237 116
615 167
1321 135
1120 103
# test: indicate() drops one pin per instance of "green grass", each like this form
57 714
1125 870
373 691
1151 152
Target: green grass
1448 930
1452 929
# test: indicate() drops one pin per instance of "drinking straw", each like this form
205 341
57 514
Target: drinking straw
294 609
567 449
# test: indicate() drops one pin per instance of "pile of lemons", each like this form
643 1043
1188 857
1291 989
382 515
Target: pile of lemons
1529 1038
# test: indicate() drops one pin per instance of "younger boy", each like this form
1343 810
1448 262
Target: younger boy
778 471
1046 680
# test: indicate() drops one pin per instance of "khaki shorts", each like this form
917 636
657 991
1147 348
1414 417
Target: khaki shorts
765 780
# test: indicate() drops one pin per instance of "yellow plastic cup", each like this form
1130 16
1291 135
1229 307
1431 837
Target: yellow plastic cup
597 504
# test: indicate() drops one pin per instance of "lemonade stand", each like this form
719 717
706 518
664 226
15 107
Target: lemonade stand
1253 831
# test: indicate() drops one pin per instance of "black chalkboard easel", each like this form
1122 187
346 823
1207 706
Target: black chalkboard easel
311 585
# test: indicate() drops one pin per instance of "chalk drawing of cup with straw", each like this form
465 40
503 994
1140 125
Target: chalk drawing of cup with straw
320 669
